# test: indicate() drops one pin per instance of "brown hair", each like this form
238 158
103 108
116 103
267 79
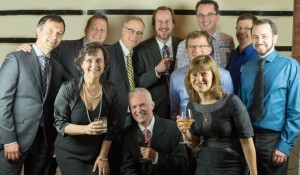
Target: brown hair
204 63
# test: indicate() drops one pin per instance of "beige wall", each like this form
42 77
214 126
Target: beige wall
15 26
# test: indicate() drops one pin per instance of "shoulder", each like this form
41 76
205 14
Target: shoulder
176 39
143 44
224 35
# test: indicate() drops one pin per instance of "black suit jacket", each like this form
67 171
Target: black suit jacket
172 156
65 54
147 56
117 74
21 102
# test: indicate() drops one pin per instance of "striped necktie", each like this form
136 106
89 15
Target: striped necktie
165 51
130 71
147 135
44 61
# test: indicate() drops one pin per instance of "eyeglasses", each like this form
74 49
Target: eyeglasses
132 31
209 15
198 46
242 28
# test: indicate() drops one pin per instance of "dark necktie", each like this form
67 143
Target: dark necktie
165 51
258 92
130 70
147 136
212 53
44 61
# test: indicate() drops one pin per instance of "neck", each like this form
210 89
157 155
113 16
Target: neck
242 47
43 50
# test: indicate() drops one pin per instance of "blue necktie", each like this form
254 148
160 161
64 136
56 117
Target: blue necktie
165 51
44 61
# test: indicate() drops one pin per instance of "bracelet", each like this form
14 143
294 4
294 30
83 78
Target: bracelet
106 159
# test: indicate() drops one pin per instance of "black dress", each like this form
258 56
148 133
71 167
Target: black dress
220 126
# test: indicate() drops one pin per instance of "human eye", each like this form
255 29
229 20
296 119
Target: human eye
200 15
131 31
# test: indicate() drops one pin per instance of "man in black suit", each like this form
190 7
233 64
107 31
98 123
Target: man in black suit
152 67
29 82
131 35
163 153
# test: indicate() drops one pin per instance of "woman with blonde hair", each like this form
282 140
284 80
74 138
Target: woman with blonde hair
221 125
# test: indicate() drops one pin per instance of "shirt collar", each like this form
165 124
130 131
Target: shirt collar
124 48
38 51
161 45
271 56
149 127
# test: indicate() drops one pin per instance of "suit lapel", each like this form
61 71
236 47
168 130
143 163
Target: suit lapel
36 68
158 130
133 139
121 62
155 50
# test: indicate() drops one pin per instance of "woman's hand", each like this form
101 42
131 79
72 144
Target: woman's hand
180 124
94 128
102 165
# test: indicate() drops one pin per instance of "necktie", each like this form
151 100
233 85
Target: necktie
165 51
212 53
130 71
147 136
258 92
44 61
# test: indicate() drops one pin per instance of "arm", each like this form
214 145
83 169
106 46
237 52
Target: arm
187 134
250 154
102 161
182 58
174 99
226 81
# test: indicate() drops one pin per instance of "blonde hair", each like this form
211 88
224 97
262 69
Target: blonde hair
204 63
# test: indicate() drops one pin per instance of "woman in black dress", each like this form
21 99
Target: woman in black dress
222 126
82 145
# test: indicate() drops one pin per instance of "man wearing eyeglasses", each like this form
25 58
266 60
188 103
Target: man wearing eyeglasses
207 14
245 51
120 55
154 60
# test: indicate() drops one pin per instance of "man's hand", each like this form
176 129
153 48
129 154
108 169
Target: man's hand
12 152
164 65
278 157
148 153
24 47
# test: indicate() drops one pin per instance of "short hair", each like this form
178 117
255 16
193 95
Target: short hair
247 16
197 34
205 2
133 18
266 21
204 63
162 8
54 18
90 49
139 90
96 16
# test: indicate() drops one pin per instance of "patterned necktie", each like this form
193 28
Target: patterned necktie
44 61
130 70
165 51
147 136
258 92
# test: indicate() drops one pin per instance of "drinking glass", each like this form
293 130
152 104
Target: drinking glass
141 142
187 121
103 122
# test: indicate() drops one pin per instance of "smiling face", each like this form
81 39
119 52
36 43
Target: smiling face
263 39
132 33
207 18
49 36
96 31
243 32
93 65
141 107
201 81
198 46
163 25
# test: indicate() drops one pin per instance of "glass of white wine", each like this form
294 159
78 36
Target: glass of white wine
187 121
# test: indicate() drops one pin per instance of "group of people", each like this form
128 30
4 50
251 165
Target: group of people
52 93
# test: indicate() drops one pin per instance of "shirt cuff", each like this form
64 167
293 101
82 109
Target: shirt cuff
156 73
10 144
156 158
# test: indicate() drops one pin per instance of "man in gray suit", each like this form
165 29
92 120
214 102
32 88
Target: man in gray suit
29 82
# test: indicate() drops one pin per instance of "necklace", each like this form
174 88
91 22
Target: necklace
87 112
90 94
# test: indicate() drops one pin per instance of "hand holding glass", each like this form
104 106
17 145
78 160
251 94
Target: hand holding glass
187 122
141 142
103 122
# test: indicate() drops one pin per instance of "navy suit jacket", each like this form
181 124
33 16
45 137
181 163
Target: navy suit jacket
21 103
146 56
172 156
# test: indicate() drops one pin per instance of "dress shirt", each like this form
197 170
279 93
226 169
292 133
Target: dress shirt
223 46
281 99
236 61
179 97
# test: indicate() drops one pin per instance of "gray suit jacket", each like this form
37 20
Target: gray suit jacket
21 103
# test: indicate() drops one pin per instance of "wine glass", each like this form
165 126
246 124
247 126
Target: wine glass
187 121
141 142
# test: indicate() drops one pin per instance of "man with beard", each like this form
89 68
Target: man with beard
276 119
245 51
207 14
154 60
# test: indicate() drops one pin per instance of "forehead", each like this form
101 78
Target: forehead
98 53
262 29
97 21
138 98
245 22
198 40
135 25
206 8
163 15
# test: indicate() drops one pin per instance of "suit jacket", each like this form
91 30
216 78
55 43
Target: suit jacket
172 156
117 74
21 103
147 56
65 54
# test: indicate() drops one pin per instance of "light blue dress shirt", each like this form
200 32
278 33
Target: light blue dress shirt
281 97
179 97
